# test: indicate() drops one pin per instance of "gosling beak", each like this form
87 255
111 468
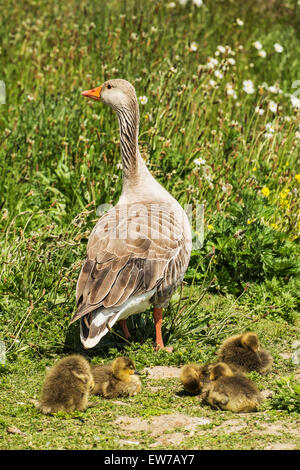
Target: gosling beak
94 94
136 372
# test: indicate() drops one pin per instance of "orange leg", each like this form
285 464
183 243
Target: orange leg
125 330
157 315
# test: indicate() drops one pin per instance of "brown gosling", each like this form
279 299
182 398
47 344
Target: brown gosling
190 378
245 352
195 378
233 391
118 379
67 386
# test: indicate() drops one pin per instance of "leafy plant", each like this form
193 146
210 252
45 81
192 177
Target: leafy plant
286 395
243 248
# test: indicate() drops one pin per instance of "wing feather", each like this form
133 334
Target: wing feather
130 255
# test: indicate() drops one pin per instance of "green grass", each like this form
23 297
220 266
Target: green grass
60 160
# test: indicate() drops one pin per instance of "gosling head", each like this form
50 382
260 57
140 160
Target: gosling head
117 93
220 370
250 340
123 368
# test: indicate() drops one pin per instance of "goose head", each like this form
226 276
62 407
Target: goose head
117 93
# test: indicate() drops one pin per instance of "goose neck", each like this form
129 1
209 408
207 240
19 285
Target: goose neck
129 129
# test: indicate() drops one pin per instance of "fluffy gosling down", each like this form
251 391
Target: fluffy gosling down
118 379
195 378
67 386
245 352
232 391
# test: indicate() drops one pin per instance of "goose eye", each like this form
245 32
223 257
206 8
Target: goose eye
109 86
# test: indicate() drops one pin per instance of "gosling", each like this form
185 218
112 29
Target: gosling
67 386
195 378
232 391
190 378
118 379
245 352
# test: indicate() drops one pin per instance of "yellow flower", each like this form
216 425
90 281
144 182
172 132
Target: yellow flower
210 227
265 190
284 203
284 193
298 177
254 169
249 221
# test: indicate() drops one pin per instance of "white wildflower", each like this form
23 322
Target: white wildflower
171 5
219 74
278 47
262 53
270 130
295 102
273 89
211 63
257 45
207 173
199 161
143 99
183 2
212 82
272 106
269 127
198 3
193 46
248 86
239 22
229 89
221 49
231 61
259 110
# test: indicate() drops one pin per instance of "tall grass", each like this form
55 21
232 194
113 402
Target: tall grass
199 133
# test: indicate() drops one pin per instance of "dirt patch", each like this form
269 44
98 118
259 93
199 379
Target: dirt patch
231 425
162 372
281 446
279 428
161 427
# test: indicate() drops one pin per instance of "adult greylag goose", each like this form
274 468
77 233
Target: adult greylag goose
138 251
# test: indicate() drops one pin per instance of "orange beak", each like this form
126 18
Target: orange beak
94 93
